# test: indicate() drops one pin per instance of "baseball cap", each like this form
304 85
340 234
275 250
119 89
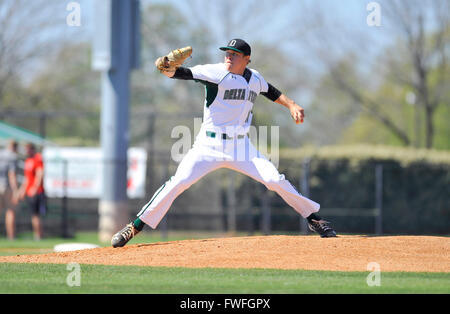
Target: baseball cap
238 45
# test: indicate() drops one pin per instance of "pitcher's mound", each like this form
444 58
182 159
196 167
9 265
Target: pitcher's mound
345 253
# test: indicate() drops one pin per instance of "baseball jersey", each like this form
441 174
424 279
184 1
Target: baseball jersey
32 164
229 97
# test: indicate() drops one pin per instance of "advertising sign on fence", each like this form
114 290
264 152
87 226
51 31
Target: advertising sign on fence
76 172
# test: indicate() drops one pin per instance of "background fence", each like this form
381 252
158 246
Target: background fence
367 189
366 199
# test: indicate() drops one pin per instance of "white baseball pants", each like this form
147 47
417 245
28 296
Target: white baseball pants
209 154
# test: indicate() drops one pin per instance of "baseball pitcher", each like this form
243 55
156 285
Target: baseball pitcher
223 142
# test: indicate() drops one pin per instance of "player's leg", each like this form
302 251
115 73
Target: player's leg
3 205
37 226
193 167
258 167
35 203
262 170
10 223
10 215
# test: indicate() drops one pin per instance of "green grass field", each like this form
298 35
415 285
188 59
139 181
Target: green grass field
50 278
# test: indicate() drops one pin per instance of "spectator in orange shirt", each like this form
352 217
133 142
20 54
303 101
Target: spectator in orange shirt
32 188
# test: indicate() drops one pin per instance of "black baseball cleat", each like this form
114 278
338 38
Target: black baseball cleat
123 236
322 227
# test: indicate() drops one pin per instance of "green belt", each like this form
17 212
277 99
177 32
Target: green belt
224 136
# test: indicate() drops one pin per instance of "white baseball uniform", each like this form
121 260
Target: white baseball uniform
223 141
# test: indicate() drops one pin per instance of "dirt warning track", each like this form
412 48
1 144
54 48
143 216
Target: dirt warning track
345 253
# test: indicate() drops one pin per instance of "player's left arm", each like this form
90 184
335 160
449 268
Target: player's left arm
297 112
180 73
278 97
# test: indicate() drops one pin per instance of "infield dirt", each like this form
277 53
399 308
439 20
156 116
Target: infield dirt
345 253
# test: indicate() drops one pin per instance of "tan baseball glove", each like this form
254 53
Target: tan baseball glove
172 61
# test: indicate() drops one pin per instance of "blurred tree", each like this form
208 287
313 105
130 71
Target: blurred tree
69 91
159 103
164 29
411 70
28 31
66 88
426 53
292 79
332 110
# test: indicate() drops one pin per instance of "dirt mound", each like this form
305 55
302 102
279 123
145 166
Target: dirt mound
345 253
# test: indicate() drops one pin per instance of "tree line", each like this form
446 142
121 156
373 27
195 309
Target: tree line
358 84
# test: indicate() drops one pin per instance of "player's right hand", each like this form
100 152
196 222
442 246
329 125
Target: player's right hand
297 113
